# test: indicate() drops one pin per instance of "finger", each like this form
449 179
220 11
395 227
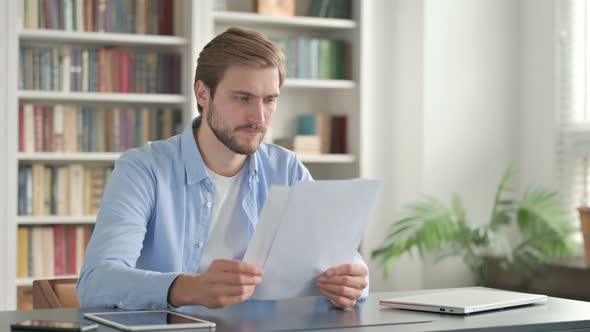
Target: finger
230 278
339 301
348 292
344 280
236 266
225 301
240 291
347 269
233 291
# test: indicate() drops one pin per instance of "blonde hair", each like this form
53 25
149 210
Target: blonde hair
236 46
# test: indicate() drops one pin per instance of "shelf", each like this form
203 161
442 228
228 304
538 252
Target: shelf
101 97
298 83
328 158
113 156
230 17
126 39
61 156
29 281
53 220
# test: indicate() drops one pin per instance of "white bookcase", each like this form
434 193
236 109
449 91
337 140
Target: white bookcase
301 96
201 23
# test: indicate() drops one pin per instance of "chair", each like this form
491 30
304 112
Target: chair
55 294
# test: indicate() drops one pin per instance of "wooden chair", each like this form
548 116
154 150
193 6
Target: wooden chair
55 294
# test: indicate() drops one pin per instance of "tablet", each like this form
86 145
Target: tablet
148 320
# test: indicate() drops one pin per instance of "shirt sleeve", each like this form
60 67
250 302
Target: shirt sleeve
108 276
301 172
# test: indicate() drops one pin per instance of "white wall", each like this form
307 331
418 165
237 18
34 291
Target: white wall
537 132
392 122
470 109
445 97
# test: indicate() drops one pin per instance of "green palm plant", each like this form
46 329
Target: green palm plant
544 232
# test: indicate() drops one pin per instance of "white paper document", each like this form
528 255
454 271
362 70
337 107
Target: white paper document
305 229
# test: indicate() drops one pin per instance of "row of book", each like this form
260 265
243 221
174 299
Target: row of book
47 251
93 129
122 16
313 58
330 8
318 133
87 69
69 190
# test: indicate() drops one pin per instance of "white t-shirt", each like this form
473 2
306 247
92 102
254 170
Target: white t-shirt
228 235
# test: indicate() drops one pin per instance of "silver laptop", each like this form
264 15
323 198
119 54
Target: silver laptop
462 300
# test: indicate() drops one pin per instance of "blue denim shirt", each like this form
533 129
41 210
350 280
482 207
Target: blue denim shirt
155 214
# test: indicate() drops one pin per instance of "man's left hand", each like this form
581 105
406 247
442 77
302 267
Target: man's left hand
343 284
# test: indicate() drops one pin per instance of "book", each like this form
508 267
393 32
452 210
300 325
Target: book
80 248
339 140
38 183
59 233
307 144
276 7
36 251
22 269
315 124
63 191
76 189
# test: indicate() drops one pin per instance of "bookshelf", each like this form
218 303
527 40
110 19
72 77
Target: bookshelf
246 18
88 38
299 83
52 157
51 220
309 95
199 22
101 97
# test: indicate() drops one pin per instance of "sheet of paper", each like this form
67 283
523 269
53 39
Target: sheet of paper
306 229
267 225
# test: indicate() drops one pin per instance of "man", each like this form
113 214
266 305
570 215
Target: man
177 215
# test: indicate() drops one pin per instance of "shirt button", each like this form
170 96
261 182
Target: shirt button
209 204
200 244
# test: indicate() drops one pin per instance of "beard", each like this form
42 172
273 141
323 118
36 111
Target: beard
226 135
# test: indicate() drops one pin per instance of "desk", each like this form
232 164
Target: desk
314 312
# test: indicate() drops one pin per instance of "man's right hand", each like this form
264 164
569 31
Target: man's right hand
226 282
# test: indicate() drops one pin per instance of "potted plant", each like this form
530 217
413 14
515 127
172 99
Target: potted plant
543 232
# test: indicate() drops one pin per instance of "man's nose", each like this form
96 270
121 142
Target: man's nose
256 114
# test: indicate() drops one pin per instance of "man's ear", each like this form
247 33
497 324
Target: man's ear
202 93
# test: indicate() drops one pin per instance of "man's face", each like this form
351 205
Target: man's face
242 109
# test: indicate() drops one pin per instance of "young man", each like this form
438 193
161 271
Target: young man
177 215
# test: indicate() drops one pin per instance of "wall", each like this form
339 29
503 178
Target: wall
392 122
471 85
447 91
537 132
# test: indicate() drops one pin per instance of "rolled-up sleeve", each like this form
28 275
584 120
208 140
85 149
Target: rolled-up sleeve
108 276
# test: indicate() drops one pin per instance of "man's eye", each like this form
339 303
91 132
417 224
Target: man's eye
243 99
270 100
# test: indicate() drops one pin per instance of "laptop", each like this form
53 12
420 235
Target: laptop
463 300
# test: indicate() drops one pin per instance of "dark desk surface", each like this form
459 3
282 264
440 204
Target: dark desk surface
317 313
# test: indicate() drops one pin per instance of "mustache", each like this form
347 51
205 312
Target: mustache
256 127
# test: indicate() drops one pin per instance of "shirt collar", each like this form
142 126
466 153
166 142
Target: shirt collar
193 161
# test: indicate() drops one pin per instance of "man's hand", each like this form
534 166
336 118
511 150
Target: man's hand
226 282
343 284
